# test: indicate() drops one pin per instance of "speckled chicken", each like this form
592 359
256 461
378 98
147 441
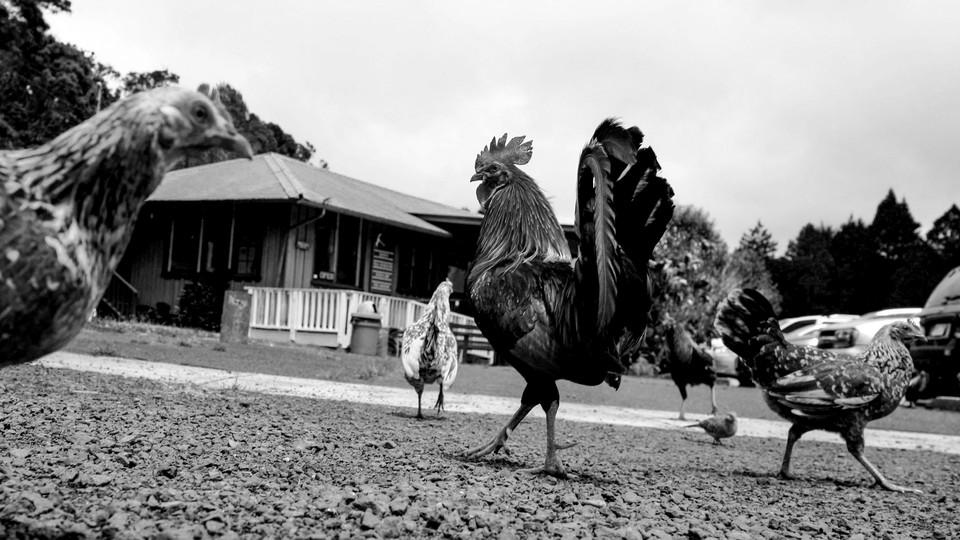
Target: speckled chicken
68 208
551 316
815 388
429 348
719 426
689 365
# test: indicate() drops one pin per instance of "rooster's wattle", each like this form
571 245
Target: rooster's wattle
68 207
550 316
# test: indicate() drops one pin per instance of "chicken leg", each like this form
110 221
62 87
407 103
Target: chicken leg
551 464
713 400
499 442
855 446
796 431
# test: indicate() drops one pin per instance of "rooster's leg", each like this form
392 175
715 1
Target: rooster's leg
855 446
792 437
713 399
500 441
439 404
551 464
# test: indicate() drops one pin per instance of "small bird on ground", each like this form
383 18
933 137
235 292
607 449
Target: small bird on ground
816 388
429 348
68 208
720 426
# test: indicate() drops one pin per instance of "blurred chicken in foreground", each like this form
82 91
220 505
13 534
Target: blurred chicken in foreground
68 208
720 426
429 351
815 388
551 317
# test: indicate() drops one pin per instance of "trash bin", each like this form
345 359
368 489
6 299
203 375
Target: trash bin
366 333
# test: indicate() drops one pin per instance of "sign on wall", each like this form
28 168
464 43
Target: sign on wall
381 275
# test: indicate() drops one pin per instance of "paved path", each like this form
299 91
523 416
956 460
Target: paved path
462 403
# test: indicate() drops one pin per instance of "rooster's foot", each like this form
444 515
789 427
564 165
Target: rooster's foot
498 443
555 470
893 487
785 475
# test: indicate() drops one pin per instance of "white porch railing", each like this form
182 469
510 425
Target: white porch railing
329 310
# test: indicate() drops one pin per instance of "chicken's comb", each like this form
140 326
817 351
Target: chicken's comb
514 152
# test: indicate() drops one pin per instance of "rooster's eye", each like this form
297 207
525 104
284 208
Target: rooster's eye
200 113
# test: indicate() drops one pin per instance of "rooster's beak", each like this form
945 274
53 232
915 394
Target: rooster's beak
476 178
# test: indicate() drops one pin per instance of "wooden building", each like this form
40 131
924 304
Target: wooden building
277 222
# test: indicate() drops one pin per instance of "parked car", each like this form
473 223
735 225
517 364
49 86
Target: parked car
854 336
940 356
807 334
795 324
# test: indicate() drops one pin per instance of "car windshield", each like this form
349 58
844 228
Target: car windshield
796 325
947 292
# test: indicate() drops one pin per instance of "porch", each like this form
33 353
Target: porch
322 316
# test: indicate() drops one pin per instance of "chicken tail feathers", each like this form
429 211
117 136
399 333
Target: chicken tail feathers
746 322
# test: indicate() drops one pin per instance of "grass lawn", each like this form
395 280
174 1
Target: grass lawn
203 349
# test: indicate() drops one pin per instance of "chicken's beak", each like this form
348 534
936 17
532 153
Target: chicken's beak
237 143
476 178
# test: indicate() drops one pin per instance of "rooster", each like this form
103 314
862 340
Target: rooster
815 388
720 426
68 207
550 316
429 348
689 364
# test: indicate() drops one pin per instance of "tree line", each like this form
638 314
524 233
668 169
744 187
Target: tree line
49 86
856 268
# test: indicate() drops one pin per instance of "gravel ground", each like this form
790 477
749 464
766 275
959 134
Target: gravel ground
87 456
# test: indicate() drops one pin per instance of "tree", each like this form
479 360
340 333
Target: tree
747 268
944 237
760 241
858 284
804 274
47 86
894 228
134 82
686 277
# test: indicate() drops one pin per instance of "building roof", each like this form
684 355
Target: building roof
273 177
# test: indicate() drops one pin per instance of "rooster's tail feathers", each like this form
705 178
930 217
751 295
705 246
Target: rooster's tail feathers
743 317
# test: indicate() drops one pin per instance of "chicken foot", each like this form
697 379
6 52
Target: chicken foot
499 442
551 464
855 446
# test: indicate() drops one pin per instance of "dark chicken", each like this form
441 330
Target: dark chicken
815 388
689 364
549 316
68 207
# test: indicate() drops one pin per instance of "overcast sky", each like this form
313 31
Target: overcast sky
784 112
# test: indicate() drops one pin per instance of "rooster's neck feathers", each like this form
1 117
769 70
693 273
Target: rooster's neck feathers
518 227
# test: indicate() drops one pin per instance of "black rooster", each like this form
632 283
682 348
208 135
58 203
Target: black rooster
551 317
815 388
68 207
689 365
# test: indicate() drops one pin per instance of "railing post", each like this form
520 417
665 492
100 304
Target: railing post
293 304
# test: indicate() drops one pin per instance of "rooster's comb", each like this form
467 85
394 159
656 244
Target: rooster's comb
514 152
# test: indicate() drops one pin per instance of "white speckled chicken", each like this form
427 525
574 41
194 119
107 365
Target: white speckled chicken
816 388
68 207
429 351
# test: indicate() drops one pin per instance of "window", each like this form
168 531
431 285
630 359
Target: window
420 267
213 240
337 250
